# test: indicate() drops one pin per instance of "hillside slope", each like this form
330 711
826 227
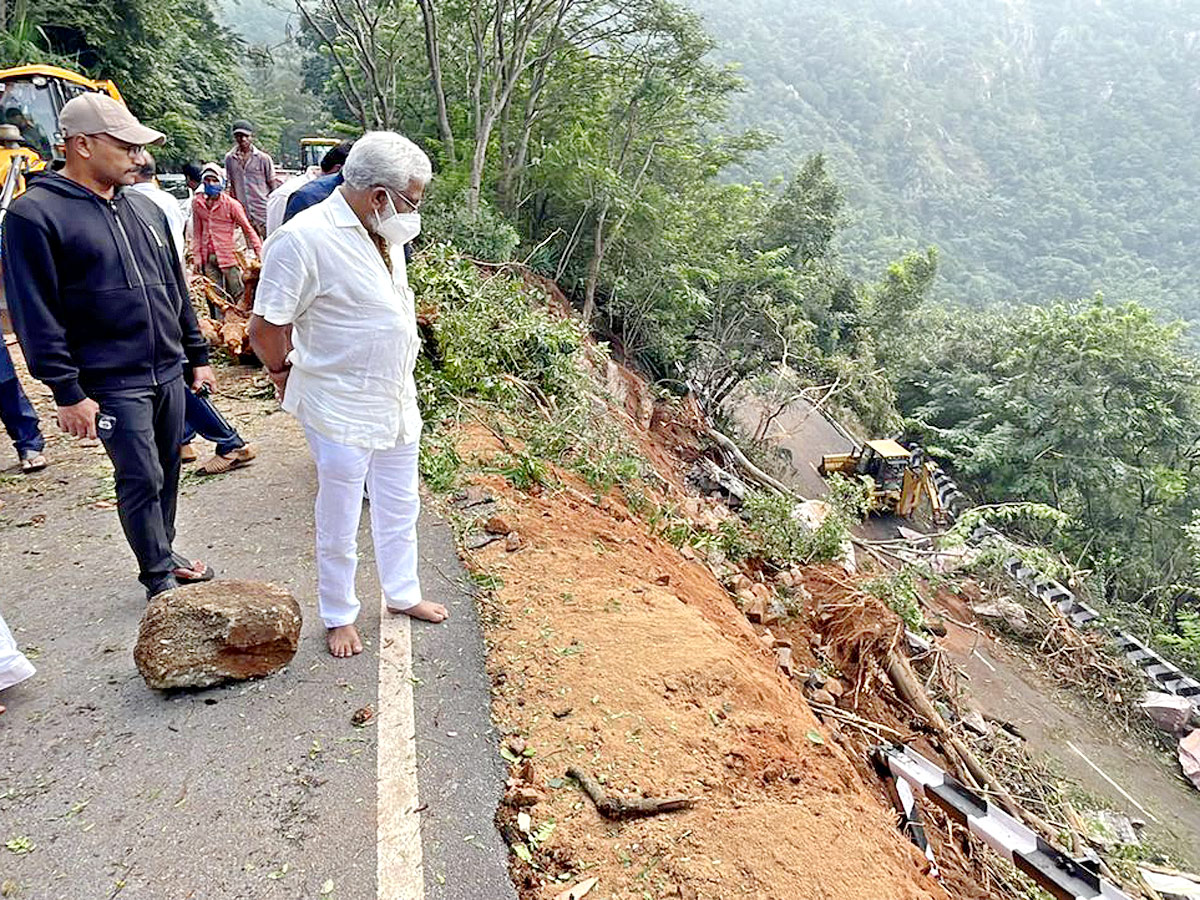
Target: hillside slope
1045 146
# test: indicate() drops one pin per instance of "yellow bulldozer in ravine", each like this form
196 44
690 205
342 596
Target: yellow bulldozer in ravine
30 100
902 477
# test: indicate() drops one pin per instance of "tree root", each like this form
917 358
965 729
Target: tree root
617 808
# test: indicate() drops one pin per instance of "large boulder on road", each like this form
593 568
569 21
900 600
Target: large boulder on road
204 634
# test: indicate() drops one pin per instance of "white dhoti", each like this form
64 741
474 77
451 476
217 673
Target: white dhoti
14 667
392 478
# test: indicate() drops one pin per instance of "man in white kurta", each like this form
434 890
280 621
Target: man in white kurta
335 274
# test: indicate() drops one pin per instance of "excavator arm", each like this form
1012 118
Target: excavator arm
918 484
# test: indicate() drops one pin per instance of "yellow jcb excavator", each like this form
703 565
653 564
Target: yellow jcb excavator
902 477
30 100
313 150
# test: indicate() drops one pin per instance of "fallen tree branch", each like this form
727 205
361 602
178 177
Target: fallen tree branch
618 808
909 688
750 468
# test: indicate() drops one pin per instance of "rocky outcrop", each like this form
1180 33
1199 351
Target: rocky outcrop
205 634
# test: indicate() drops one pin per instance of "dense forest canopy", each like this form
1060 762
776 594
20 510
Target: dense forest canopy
1046 147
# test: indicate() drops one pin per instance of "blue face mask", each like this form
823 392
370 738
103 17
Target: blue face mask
212 190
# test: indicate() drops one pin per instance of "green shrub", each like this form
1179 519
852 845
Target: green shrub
440 462
899 591
484 235
772 533
1184 642
494 345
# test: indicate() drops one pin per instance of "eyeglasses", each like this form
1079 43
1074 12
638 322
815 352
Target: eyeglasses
414 206
133 151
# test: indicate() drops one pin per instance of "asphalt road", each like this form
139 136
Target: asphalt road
803 433
259 790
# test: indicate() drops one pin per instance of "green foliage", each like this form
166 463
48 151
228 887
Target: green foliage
524 471
483 234
900 592
1044 147
1088 408
772 532
1184 642
495 345
440 462
807 215
24 41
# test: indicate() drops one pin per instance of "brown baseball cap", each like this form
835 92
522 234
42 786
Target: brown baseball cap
95 113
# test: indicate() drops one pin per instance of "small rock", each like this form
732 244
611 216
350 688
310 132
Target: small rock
783 659
775 611
498 525
513 542
474 495
784 579
756 610
362 717
760 590
823 696
662 579
516 745
204 634
974 720
740 582
522 796
780 642
835 687
687 552
936 625
1006 613
479 541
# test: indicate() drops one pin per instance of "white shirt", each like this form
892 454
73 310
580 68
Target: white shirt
278 198
169 205
355 339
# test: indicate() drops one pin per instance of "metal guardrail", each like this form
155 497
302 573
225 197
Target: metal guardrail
1164 675
1046 865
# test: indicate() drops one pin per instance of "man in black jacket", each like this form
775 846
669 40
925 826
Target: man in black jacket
98 300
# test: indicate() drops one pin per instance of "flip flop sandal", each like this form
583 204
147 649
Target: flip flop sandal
33 461
219 465
194 574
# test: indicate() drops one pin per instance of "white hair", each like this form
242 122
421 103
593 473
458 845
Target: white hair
388 159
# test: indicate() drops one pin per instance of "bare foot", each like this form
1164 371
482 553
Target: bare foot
426 610
343 641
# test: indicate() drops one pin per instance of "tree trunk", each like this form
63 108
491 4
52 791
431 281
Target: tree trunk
435 77
593 276
483 134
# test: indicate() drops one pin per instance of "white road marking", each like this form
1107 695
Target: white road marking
400 874
1104 775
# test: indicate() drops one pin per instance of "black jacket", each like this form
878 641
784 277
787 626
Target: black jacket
96 292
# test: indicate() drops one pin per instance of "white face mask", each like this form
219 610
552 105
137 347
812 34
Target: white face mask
397 228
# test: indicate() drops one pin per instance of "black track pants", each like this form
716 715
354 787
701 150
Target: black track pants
142 428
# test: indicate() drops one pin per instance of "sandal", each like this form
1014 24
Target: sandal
33 461
222 463
193 573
